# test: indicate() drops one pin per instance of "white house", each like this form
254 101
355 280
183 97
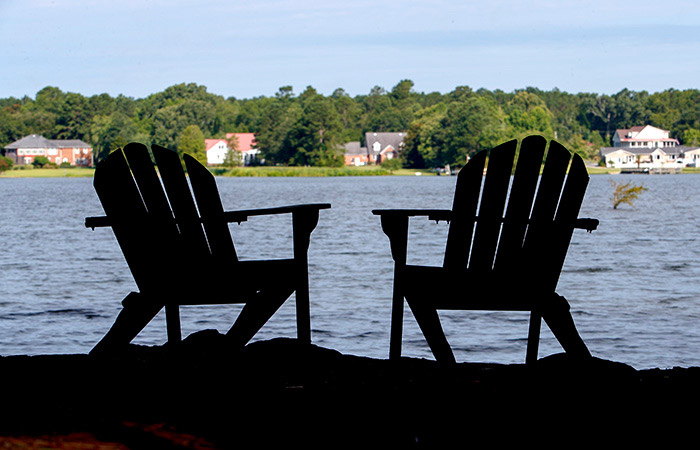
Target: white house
643 136
646 147
691 157
217 149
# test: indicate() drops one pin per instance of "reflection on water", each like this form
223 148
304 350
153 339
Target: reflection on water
632 284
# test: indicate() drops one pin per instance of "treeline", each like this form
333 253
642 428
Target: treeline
308 128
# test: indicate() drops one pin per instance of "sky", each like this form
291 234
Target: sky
251 48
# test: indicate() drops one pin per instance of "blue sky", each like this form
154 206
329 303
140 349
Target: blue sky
251 48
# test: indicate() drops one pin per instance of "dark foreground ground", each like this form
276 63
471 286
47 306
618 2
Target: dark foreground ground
281 394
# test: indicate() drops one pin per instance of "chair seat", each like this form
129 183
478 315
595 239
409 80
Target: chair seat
465 290
239 282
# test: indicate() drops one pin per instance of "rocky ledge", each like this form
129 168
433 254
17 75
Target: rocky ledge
202 394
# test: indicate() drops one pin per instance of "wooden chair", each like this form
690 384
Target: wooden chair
180 253
496 262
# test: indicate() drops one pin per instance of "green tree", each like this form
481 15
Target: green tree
528 114
111 132
233 156
40 161
691 137
314 139
466 128
192 142
5 163
392 164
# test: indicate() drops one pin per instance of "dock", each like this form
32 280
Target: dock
652 170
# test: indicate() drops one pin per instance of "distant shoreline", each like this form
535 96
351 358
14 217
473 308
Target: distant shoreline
279 171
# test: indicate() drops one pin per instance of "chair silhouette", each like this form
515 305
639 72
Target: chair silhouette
491 261
182 253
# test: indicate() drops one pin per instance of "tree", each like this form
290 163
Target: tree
192 142
314 138
392 164
528 114
111 132
467 128
625 193
233 156
40 161
5 163
691 137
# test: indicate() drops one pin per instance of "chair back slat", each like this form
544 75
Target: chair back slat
522 193
149 186
538 239
212 212
567 213
182 204
122 202
466 199
493 200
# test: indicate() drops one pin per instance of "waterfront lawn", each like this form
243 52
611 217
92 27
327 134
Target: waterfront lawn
60 172
283 171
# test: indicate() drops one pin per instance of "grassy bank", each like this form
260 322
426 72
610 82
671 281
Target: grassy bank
73 172
313 171
69 172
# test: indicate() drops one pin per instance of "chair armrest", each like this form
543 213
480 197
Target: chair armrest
230 216
432 214
242 215
395 226
446 214
586 224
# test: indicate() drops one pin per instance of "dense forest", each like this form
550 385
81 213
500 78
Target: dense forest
308 128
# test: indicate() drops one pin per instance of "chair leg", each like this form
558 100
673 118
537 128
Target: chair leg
533 338
559 320
429 323
136 314
172 322
396 335
255 314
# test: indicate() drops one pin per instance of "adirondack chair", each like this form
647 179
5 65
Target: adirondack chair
495 262
180 253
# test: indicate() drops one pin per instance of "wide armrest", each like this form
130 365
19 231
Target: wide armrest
231 216
243 214
446 214
432 214
586 224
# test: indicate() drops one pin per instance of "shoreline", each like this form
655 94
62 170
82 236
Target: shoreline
275 172
218 397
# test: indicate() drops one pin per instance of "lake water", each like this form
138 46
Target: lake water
633 284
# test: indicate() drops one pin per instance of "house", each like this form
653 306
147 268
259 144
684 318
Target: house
691 157
72 151
217 149
379 146
382 146
645 147
355 155
643 136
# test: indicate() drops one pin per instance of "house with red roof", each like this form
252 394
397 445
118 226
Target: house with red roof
643 136
217 149
59 151
646 147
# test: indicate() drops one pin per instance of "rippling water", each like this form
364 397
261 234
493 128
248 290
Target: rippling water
632 284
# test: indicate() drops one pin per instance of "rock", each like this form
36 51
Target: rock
281 391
